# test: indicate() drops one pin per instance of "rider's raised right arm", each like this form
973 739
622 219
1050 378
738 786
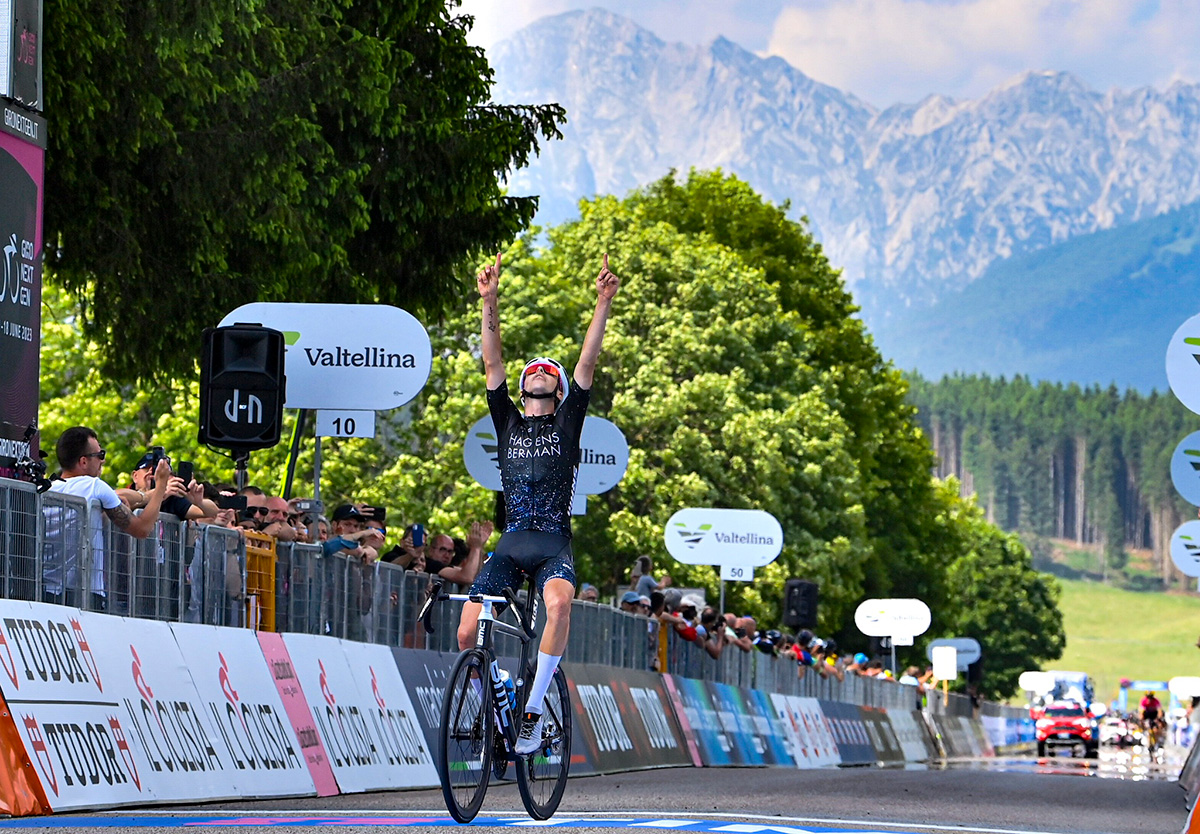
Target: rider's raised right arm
489 288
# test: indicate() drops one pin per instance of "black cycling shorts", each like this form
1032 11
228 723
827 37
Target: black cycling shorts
523 553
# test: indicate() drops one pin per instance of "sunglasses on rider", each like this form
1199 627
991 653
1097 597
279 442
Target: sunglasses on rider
546 367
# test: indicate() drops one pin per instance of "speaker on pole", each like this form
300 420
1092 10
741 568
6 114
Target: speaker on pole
800 604
242 387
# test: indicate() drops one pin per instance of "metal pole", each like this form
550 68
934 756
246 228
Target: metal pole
892 642
722 581
294 452
317 470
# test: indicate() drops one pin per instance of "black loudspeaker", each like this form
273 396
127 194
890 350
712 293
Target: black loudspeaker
799 604
242 387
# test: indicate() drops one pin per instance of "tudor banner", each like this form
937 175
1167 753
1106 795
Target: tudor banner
22 154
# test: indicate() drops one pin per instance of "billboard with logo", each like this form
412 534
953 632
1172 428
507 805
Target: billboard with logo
22 155
239 695
350 357
714 536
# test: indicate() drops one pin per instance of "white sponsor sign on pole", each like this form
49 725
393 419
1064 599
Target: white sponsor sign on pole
1184 687
892 617
1185 548
968 648
358 357
232 679
1183 363
1036 681
712 536
945 662
1185 468
603 456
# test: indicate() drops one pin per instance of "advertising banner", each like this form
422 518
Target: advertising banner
769 732
716 536
883 736
21 184
424 674
853 741
353 357
238 693
693 748
107 709
21 51
691 699
810 740
913 735
737 724
295 706
363 713
624 722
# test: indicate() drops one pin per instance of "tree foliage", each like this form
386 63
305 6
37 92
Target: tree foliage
1087 464
740 378
206 155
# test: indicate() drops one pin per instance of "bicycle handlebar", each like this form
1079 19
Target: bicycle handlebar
435 595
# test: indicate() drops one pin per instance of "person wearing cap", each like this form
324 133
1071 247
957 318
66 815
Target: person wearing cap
588 592
630 600
184 501
538 456
352 535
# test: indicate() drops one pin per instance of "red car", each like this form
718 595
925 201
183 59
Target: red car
1067 724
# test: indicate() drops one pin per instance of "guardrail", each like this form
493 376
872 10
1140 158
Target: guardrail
58 549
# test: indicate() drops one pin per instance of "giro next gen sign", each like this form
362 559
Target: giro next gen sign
603 455
349 357
737 540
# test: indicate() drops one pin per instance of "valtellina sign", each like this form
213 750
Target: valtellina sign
350 357
603 456
738 538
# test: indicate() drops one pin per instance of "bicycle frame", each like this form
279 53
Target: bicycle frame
526 617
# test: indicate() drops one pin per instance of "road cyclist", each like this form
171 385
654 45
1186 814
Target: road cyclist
538 456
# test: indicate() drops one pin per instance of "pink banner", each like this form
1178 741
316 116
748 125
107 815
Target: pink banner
296 707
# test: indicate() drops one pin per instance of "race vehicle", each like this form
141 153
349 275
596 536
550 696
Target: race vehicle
1067 724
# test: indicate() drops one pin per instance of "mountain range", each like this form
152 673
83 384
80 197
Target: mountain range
914 202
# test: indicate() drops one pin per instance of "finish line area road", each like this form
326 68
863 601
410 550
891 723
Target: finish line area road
1042 796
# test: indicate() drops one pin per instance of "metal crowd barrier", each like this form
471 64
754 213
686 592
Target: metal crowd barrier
58 549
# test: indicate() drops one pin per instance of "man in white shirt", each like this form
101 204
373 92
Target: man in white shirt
82 460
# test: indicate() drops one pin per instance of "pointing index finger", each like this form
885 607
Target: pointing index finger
606 260
497 261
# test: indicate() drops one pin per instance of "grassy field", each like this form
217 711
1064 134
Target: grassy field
1114 633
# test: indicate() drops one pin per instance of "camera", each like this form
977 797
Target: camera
231 502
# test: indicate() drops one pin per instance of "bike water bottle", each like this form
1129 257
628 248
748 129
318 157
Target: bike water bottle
511 689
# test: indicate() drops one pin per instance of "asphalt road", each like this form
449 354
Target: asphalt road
1117 795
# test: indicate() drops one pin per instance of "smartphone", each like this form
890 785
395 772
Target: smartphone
231 502
185 471
378 514
418 535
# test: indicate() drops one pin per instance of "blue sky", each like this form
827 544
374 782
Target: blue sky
889 51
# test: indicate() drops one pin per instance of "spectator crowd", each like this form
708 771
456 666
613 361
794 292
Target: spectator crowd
360 531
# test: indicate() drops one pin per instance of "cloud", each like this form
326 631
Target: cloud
902 50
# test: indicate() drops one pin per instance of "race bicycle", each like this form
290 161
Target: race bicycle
481 718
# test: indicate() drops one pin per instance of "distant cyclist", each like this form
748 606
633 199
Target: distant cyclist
1151 711
539 458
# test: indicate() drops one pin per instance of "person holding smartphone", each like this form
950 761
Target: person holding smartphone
182 499
539 459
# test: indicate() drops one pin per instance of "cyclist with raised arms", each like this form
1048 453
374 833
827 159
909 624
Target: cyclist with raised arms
539 458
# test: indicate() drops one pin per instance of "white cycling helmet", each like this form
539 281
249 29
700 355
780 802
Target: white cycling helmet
564 386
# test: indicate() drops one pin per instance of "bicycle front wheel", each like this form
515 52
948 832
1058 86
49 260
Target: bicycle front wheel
542 776
465 737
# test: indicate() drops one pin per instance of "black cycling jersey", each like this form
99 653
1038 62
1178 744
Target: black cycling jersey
539 458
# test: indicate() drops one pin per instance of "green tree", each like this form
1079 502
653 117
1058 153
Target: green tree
1010 608
206 155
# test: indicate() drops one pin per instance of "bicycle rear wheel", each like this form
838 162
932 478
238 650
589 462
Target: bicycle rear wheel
542 776
465 736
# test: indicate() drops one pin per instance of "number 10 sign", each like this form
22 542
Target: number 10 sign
345 423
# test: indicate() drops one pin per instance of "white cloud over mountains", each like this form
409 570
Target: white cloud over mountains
888 51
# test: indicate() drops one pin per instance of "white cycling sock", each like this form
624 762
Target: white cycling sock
546 664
